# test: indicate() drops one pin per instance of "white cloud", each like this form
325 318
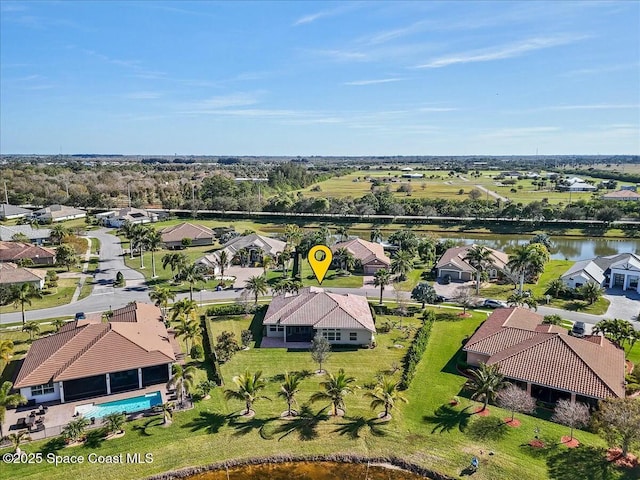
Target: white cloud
373 82
324 14
502 52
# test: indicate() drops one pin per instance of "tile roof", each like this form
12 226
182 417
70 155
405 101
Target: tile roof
7 233
10 273
622 194
270 246
58 211
526 350
176 233
11 251
313 306
135 337
455 257
366 252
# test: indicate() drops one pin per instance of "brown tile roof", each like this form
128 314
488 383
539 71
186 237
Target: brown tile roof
622 194
12 251
10 273
366 252
176 233
544 354
315 307
134 338
454 257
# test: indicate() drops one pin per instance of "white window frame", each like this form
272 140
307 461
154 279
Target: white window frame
44 389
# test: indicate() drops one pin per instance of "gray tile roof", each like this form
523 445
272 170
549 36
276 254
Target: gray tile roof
7 233
7 210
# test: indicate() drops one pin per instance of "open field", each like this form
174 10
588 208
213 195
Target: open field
425 431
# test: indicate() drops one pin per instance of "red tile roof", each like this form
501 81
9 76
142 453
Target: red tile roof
455 257
135 337
13 251
366 252
176 233
526 350
10 274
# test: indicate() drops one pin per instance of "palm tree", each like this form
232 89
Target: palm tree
257 285
292 234
182 379
8 400
31 327
289 388
591 292
517 299
381 279
161 295
18 439
248 389
114 422
190 330
485 382
283 259
375 235
58 232
191 274
343 232
75 429
184 309
58 323
153 241
22 296
344 258
479 257
222 260
174 260
386 394
243 253
139 240
335 389
555 287
267 262
402 264
324 235
127 229
6 350
520 260
167 412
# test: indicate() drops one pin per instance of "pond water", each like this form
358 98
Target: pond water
308 471
565 247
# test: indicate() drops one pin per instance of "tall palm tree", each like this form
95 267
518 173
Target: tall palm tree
343 232
190 330
283 259
139 240
58 323
175 261
162 295
336 388
248 389
22 296
289 388
182 379
375 235
32 328
257 285
267 262
18 439
381 279
58 232
402 264
386 394
479 257
520 261
184 309
6 350
8 400
485 382
191 273
222 260
127 229
153 242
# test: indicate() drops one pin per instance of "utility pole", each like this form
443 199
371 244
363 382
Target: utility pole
129 192
6 194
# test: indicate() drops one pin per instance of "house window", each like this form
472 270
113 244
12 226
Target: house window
353 336
42 389
276 328
331 334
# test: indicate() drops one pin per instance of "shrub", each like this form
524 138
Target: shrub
416 350
222 310
197 352
384 328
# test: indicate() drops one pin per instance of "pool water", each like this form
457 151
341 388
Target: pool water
129 405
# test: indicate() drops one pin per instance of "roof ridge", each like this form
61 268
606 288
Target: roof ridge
575 352
82 351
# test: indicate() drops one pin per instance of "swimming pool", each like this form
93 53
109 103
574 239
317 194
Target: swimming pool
129 405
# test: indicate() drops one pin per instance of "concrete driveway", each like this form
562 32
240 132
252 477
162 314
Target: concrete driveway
453 289
624 304
242 274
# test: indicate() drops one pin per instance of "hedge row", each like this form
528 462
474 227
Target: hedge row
416 350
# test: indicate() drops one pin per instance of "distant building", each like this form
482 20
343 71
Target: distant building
8 212
199 235
413 175
11 275
35 235
117 218
632 188
406 169
370 255
58 213
256 248
622 195
453 263
613 271
16 251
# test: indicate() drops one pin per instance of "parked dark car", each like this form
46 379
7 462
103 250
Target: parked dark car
446 280
578 329
80 316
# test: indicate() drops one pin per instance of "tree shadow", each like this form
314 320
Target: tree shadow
210 422
305 425
451 365
581 463
300 373
94 438
143 429
355 425
487 428
446 418
256 327
251 424
53 445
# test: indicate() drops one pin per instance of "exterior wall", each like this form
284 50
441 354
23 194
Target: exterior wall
274 334
372 268
194 243
49 397
576 279
36 283
476 359
362 337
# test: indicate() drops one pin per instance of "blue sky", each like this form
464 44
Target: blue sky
320 78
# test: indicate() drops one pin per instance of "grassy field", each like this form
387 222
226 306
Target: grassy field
425 431
58 296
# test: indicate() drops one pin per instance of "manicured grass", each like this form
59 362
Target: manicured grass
330 280
86 289
58 296
95 246
214 431
633 354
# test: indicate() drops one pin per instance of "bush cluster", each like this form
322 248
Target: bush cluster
416 350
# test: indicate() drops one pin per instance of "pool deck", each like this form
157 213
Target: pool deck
59 414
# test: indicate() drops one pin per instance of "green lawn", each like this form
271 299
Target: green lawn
331 279
57 296
633 354
95 246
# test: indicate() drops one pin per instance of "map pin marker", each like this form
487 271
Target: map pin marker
320 258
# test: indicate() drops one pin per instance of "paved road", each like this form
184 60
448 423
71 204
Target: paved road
492 193
104 296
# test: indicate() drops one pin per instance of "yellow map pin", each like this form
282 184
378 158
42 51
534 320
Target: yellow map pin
320 258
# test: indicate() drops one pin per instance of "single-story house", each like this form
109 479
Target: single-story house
256 246
15 251
58 213
89 358
7 212
35 235
371 255
117 218
174 235
341 319
622 195
613 271
546 360
12 275
453 263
